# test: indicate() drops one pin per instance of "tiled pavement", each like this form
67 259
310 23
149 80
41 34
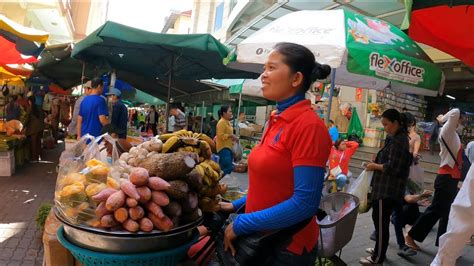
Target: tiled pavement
20 197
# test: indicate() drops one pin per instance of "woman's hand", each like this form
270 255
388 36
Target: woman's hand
229 236
226 207
372 167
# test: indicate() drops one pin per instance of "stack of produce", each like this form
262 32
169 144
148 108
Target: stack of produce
155 186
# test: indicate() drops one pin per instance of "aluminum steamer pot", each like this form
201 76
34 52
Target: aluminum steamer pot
124 242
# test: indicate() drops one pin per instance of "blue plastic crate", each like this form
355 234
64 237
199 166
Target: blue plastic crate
91 258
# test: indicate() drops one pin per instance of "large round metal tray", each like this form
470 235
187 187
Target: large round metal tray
125 242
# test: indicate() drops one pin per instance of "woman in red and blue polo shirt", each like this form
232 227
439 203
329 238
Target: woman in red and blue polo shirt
286 170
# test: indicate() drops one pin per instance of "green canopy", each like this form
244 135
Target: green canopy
355 126
189 56
143 97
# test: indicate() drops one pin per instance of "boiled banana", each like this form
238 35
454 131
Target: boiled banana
165 137
214 165
209 141
171 144
206 151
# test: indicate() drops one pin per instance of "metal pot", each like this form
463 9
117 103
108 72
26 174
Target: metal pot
125 242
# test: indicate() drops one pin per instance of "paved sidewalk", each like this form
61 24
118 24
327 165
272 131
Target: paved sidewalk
20 239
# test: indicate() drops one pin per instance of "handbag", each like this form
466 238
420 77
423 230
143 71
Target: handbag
256 248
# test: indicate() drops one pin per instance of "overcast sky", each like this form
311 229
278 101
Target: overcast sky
145 14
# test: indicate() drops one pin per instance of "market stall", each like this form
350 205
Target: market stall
143 204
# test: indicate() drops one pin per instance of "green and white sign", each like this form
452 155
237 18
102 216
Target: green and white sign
366 52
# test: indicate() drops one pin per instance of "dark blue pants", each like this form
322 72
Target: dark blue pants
403 214
226 160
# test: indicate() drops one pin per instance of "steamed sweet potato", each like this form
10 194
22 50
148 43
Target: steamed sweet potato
121 214
178 189
145 194
136 213
139 176
157 183
164 224
101 210
129 189
131 226
131 202
173 209
108 221
160 198
155 209
169 166
146 225
115 201
103 195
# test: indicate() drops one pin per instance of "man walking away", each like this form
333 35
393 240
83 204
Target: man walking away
93 111
179 118
152 120
71 129
119 113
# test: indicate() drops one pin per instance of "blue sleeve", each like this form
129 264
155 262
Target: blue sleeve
82 107
103 110
303 204
334 134
238 203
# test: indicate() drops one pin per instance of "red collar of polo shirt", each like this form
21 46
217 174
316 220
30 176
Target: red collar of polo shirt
294 111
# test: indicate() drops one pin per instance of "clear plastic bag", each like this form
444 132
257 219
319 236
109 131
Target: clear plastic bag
360 188
83 173
237 151
416 177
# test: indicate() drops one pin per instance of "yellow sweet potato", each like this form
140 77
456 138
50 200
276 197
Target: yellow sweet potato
112 183
95 188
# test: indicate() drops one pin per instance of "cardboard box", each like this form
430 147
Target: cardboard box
258 128
54 252
247 132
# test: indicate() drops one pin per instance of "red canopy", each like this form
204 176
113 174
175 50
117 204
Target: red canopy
449 29
10 55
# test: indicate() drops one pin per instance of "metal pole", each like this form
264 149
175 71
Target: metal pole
202 115
331 92
238 113
170 77
82 78
113 78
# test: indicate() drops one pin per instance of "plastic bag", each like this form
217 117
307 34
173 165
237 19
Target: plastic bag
82 174
237 151
360 188
416 178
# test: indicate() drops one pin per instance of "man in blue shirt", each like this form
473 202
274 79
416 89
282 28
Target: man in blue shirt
93 111
333 132
119 113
